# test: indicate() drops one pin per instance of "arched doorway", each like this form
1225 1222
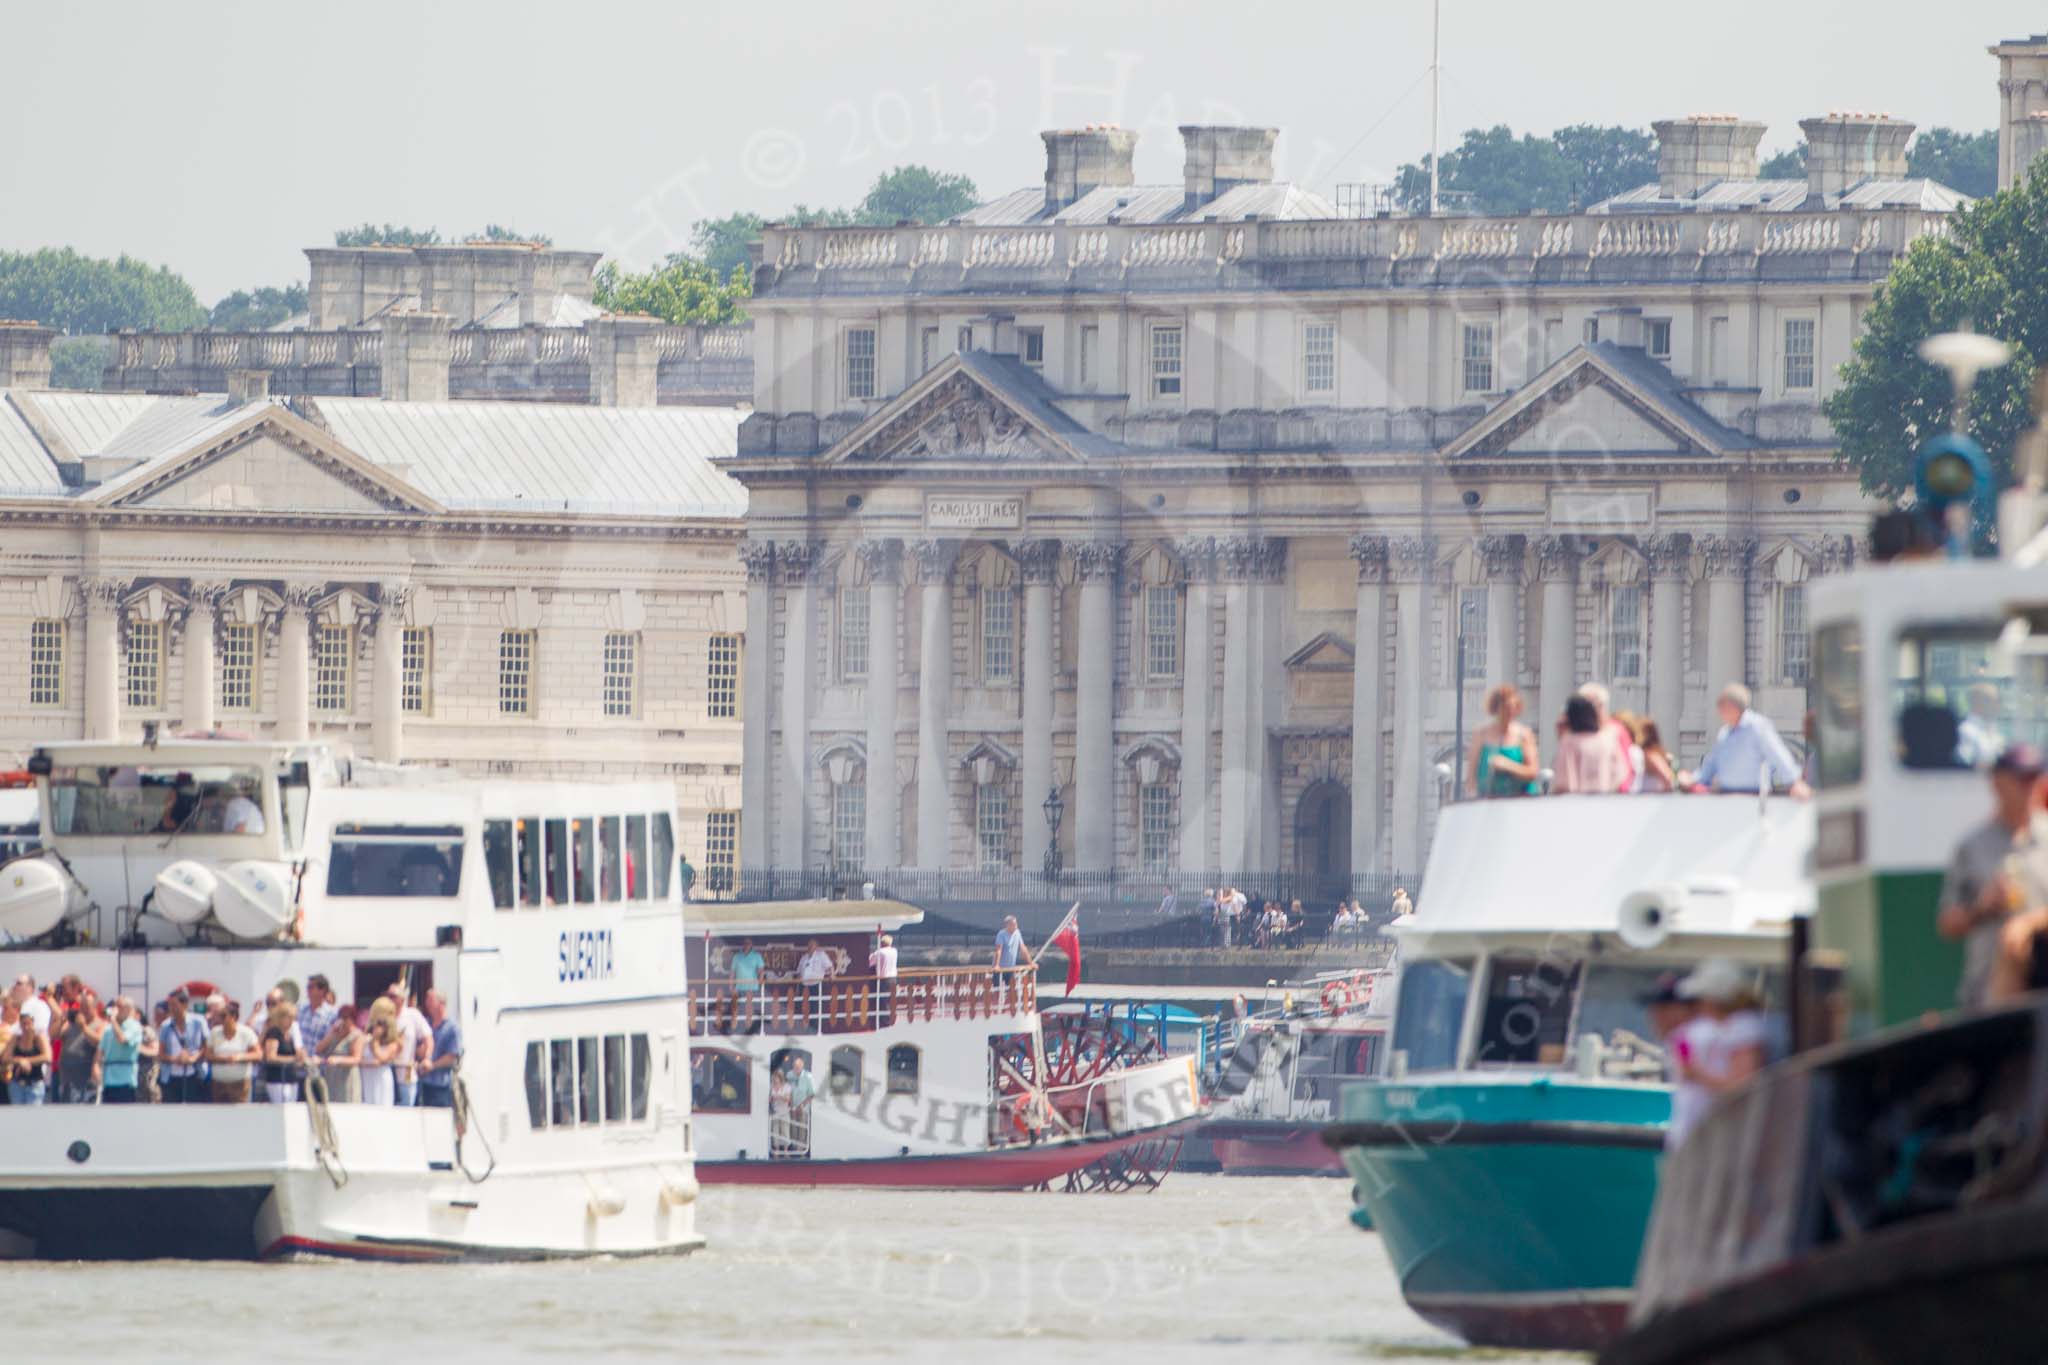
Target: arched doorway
1322 844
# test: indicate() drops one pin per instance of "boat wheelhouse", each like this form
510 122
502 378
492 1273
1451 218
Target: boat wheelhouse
547 916
1509 1159
938 1076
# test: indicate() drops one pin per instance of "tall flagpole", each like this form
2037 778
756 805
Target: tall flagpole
1436 102
1073 912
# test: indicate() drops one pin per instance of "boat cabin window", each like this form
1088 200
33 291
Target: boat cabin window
608 859
17 840
1431 1013
904 1063
636 857
1959 696
582 1081
1837 702
498 862
410 861
532 889
156 799
294 790
557 882
720 1082
1528 1012
662 861
1339 1053
846 1069
583 845
1611 1004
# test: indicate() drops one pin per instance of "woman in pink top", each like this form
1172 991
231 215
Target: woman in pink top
1589 756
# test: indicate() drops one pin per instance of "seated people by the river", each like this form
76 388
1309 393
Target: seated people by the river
1747 753
1720 1048
1989 877
437 1076
1504 759
1589 756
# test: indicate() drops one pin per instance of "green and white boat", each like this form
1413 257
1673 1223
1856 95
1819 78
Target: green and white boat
1509 1161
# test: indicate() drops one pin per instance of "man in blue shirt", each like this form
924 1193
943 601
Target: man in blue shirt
183 1040
437 1077
747 968
1747 752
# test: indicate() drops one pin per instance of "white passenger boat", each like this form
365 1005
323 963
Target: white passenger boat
946 1077
548 916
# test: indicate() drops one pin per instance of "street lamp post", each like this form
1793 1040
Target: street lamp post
1054 809
1458 704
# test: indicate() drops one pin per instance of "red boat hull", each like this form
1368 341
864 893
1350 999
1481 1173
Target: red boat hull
1018 1168
1272 1149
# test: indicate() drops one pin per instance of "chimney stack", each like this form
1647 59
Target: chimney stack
2022 105
1078 160
1220 158
1702 149
1843 149
625 360
415 357
25 354
248 386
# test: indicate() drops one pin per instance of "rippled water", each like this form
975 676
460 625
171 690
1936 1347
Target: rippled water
1205 1268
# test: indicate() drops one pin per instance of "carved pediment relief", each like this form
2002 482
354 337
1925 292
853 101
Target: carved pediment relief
954 417
1326 653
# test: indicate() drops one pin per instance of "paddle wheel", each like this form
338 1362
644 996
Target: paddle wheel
1061 1089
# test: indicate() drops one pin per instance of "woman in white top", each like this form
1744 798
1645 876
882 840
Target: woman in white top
1719 1049
374 1053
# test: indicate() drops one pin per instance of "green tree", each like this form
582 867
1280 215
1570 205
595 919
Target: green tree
252 310
495 233
1989 273
721 243
76 362
1606 161
917 194
389 234
1581 164
86 294
1961 161
680 289
1786 165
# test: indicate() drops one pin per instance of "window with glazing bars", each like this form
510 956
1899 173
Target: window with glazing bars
1478 356
1792 643
722 677
1472 622
1155 826
621 672
145 665
1166 362
1319 357
1162 631
1091 342
515 672
334 660
860 362
998 634
722 848
46 663
1799 353
238 668
849 825
1625 630
853 634
992 827
416 670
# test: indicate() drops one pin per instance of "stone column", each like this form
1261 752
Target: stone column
1096 564
295 660
1504 558
935 560
1039 561
1668 557
1557 568
1412 560
387 674
1250 567
1197 706
104 655
202 614
797 564
883 562
1368 775
1724 562
756 723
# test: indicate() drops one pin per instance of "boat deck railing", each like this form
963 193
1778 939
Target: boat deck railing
861 1004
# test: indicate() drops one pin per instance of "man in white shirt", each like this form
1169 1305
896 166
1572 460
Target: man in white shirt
812 969
31 1004
419 1045
242 816
882 966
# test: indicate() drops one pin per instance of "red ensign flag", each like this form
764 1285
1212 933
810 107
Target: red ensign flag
1067 938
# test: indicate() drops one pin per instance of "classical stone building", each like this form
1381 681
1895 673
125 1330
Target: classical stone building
508 588
1174 499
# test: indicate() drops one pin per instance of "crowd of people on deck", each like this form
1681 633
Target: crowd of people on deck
60 1044
1599 750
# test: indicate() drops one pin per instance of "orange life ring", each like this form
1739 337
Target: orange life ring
199 990
1334 996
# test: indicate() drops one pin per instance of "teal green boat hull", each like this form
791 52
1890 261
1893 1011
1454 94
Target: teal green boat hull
1513 1210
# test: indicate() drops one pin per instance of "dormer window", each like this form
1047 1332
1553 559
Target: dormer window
1031 347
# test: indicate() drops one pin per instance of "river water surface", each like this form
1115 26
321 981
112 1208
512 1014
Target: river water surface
1205 1268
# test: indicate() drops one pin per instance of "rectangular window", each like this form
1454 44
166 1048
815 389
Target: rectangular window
860 362
1657 338
334 669
1625 630
1471 624
927 349
1478 357
1591 331
963 340
46 663
562 1074
416 670
608 859
1799 353
1091 345
992 827
636 857
536 1085
998 635
1031 347
583 859
587 1080
527 837
849 826
498 865
1166 349
1155 826
1792 643
238 668
661 856
515 673
145 665
722 678
615 1078
558 861
643 1075
1319 357
621 672
853 635
722 849
1162 631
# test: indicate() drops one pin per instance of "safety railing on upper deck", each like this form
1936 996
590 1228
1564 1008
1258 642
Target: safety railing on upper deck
860 1004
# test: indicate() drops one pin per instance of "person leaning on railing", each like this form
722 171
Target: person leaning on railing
120 1054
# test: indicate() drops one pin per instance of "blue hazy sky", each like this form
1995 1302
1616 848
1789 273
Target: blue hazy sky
222 137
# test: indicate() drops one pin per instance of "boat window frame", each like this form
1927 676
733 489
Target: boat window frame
451 843
636 858
858 1072
1534 958
610 861
903 1081
1471 965
501 860
741 1063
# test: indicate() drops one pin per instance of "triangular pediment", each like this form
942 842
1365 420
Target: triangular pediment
969 410
1326 653
1596 401
271 461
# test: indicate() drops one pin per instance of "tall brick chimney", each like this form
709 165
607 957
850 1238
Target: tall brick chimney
1843 149
413 364
1220 158
1078 160
625 360
25 354
2022 105
1702 149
